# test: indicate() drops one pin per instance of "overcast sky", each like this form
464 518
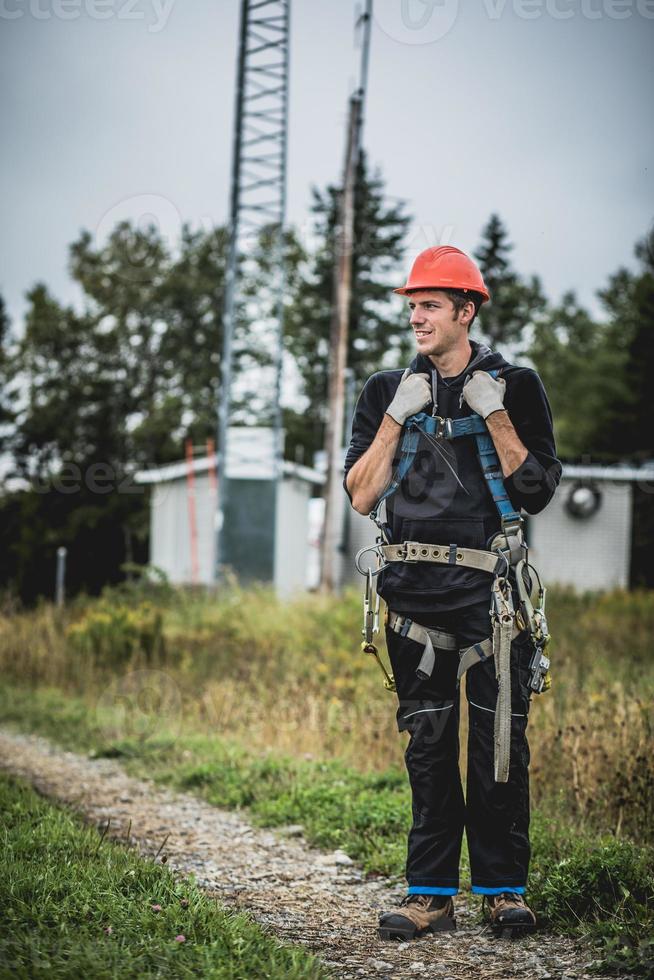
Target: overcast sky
540 110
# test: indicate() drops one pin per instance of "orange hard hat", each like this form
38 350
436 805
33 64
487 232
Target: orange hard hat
444 267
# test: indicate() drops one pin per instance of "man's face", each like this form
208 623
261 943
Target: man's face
433 320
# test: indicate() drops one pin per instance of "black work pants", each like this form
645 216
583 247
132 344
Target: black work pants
495 815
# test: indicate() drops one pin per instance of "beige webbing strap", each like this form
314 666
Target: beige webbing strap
469 656
503 618
502 641
418 633
442 554
430 639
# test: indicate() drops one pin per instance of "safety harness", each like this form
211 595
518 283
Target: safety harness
507 550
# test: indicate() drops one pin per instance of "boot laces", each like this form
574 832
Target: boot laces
415 900
425 900
492 900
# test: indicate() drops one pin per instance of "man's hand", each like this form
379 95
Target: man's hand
484 394
413 393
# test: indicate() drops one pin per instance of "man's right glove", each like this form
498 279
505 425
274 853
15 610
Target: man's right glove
413 393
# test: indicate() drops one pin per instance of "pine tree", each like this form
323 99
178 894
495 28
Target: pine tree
378 336
567 350
514 303
598 373
7 411
629 301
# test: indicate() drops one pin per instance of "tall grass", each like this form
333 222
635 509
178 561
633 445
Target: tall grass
290 678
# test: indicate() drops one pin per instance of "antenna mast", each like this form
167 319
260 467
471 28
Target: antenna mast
257 204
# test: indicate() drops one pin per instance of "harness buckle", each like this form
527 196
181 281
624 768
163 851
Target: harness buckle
410 552
512 525
510 541
443 427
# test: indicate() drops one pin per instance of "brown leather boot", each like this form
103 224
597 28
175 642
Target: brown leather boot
417 915
509 912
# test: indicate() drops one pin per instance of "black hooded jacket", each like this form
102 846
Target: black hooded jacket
444 498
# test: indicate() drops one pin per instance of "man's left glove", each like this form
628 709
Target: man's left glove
484 394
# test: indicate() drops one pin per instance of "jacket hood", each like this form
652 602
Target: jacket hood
481 359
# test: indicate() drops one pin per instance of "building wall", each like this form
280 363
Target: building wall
250 544
588 554
170 540
291 546
248 540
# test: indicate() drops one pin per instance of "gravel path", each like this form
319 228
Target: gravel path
303 895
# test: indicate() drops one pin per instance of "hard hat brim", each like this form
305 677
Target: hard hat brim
407 290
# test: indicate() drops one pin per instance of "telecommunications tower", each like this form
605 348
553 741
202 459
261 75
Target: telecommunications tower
257 207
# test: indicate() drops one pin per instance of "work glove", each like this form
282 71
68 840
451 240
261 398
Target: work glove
484 394
413 393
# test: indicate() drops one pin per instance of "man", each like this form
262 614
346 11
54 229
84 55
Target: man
443 499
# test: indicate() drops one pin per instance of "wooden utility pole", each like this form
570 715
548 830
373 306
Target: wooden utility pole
338 340
338 348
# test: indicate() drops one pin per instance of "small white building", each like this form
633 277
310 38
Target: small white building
583 538
266 532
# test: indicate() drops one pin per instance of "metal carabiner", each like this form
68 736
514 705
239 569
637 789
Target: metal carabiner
535 615
370 609
364 571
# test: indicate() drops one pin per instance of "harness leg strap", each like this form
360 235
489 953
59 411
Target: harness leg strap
431 640
425 668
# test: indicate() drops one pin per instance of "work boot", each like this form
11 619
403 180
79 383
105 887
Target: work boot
510 914
417 915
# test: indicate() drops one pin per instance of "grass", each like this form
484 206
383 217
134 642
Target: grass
268 705
290 677
75 905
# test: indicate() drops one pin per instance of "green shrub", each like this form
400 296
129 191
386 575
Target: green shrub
113 635
603 884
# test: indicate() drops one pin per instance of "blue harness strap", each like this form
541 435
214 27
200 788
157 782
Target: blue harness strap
472 425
